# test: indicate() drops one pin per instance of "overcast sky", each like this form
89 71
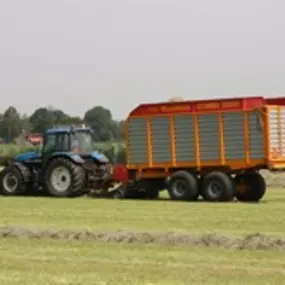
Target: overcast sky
75 54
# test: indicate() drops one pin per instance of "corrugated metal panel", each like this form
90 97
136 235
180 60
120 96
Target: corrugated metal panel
282 121
137 139
161 140
256 136
184 137
276 132
234 141
273 130
209 137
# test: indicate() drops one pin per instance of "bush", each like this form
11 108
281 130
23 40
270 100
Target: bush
115 151
11 150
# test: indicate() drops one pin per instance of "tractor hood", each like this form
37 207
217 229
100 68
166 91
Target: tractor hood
31 155
101 157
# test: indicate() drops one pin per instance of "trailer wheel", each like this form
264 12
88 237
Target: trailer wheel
250 187
14 180
183 186
217 186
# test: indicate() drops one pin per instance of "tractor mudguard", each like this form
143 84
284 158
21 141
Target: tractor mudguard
74 157
27 157
22 168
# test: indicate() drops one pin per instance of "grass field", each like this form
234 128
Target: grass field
133 242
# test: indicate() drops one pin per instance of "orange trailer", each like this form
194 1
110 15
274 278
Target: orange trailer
213 148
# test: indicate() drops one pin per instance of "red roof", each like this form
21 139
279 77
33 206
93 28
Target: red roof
34 138
209 105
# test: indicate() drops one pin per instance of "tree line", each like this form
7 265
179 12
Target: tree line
99 118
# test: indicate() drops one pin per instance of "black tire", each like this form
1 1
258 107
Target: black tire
255 187
154 187
19 176
76 177
152 193
217 187
145 189
183 186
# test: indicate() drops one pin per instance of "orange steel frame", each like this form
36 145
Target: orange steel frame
151 169
275 160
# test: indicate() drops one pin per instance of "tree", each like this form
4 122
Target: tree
44 118
100 120
58 116
11 125
118 130
26 124
72 121
41 120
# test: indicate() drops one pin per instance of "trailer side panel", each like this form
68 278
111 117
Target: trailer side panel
234 138
184 138
137 141
197 136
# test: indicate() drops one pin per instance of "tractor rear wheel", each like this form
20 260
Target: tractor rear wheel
217 187
13 180
251 187
63 178
183 186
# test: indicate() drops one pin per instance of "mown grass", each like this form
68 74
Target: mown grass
25 261
164 215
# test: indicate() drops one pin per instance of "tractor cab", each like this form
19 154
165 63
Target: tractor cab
72 141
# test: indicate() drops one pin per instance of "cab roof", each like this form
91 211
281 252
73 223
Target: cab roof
68 129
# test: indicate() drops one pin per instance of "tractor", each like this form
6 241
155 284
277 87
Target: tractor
66 166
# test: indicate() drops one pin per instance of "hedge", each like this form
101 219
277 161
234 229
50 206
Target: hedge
115 151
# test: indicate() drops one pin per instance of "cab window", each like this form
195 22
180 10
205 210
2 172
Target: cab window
49 143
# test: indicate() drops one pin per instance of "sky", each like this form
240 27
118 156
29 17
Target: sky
76 54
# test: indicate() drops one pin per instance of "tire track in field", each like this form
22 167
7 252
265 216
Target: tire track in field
252 241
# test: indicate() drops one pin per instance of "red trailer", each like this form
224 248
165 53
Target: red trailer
212 148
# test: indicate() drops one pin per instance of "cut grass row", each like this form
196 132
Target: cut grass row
47 262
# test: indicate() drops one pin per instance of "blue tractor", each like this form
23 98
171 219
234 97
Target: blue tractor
66 166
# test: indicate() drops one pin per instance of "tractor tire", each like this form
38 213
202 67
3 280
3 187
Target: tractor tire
251 187
63 178
217 187
183 186
14 180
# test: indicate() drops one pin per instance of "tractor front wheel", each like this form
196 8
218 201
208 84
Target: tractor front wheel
63 178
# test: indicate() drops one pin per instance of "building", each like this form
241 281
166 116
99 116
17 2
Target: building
34 138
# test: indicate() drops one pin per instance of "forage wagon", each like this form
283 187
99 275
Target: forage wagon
209 148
